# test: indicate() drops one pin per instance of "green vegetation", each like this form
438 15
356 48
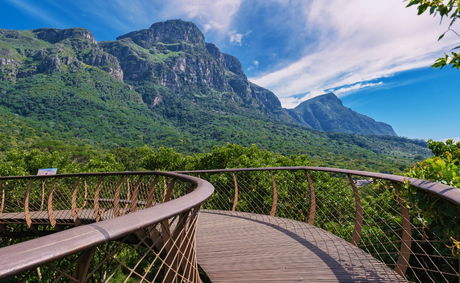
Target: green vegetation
335 211
21 40
87 106
443 167
61 86
151 54
449 10
84 107
62 106
440 216
27 158
72 159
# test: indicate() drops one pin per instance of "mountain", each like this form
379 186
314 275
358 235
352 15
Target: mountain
161 86
71 89
171 64
327 113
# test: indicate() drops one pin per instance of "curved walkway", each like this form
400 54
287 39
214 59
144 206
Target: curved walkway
246 247
231 246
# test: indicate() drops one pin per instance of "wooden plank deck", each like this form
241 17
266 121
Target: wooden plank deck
62 216
246 247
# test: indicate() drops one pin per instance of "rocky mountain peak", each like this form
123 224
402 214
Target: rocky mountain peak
168 32
327 113
173 31
230 62
324 98
54 35
169 63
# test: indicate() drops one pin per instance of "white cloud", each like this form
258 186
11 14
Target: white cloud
344 91
358 41
124 15
255 65
38 13
292 101
236 38
211 14
207 27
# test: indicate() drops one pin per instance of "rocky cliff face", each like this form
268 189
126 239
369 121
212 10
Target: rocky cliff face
53 35
168 32
25 53
174 55
327 113
176 72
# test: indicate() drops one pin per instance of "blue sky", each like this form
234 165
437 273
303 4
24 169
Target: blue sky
375 55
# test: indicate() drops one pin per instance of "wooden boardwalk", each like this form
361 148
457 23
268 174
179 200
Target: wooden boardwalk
65 217
246 247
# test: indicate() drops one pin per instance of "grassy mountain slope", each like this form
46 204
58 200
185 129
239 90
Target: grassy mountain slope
183 93
87 105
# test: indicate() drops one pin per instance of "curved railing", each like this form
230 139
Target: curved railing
411 225
140 226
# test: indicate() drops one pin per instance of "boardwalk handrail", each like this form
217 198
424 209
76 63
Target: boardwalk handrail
447 192
36 252
155 241
383 216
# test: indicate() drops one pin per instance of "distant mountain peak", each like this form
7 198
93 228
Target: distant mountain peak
327 113
329 96
168 32
175 72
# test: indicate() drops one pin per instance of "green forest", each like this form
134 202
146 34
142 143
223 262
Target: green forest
64 94
435 217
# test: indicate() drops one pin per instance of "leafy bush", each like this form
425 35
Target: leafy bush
441 216
443 167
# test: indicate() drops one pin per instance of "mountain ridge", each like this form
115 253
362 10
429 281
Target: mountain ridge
327 113
184 62
187 95
173 54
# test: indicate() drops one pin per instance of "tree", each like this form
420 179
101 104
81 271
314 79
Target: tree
443 167
449 10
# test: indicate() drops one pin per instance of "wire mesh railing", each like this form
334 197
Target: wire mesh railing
141 227
393 218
